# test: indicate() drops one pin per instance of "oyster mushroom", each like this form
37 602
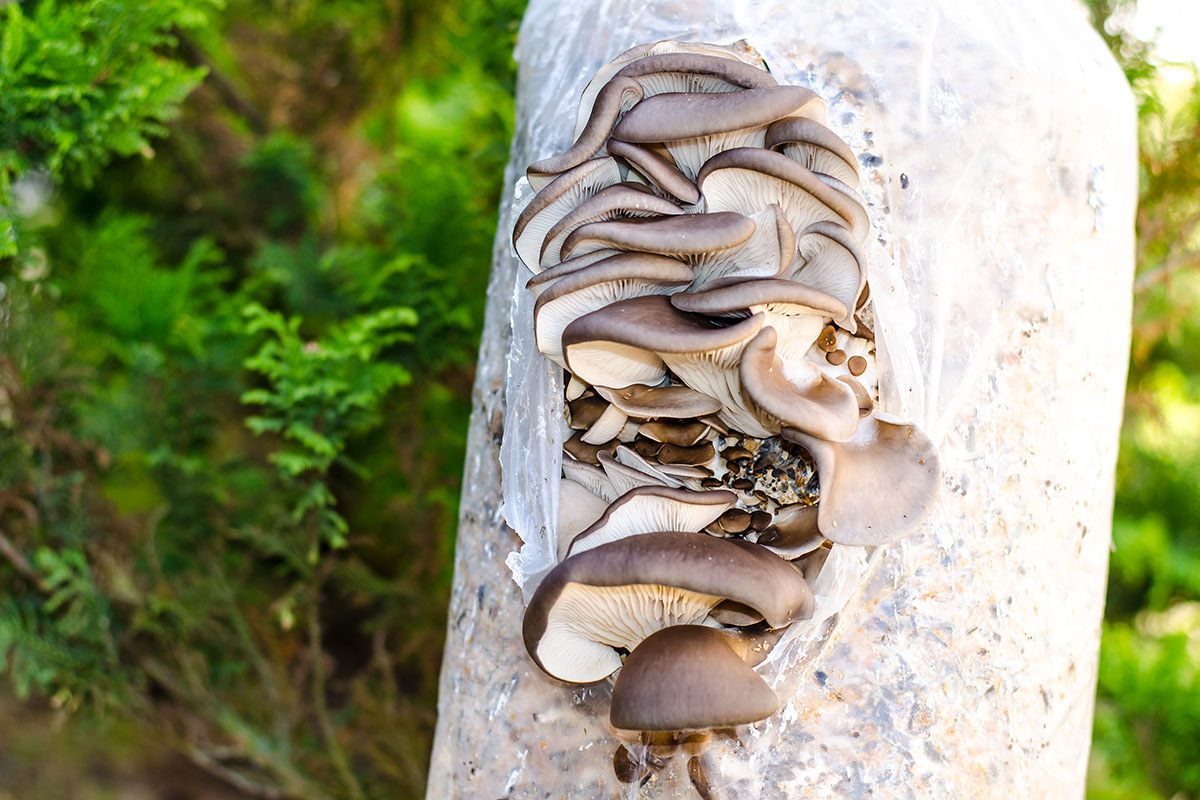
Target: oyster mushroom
675 67
647 509
696 125
876 487
616 201
748 178
813 146
615 278
797 312
555 199
617 96
613 596
688 677
796 395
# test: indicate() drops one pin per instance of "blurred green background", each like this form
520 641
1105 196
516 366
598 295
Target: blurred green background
244 248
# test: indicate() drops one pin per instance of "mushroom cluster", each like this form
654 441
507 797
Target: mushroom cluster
698 267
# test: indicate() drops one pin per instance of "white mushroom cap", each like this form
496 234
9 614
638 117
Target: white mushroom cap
878 486
578 510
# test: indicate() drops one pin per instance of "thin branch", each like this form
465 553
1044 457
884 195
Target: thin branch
224 88
1153 277
320 705
19 562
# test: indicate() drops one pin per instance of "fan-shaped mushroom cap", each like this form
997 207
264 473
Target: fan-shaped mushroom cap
688 677
813 146
658 170
685 235
596 286
555 199
654 402
818 403
604 344
618 200
747 178
653 508
878 486
615 595
797 312
793 532
618 95
676 67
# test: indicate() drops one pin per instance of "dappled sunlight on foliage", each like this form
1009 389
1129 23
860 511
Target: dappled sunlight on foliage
242 293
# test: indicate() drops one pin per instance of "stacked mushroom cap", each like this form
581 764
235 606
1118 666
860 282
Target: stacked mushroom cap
699 273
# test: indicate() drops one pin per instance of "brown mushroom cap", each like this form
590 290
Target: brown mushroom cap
878 486
614 595
690 115
684 235
656 402
793 532
824 407
620 344
685 434
797 312
598 285
674 67
688 677
618 95
661 172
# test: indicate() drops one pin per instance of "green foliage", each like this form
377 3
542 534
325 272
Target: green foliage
83 82
234 378
1147 731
